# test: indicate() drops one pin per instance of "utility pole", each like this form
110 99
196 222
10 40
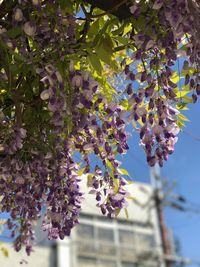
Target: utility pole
160 199
158 196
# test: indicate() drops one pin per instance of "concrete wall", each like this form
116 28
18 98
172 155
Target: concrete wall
42 257
141 210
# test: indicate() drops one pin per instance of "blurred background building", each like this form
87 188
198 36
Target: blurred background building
137 238
132 242
135 241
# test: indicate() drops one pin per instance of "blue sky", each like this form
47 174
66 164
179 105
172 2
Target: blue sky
183 167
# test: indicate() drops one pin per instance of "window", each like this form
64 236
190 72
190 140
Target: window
108 250
105 241
105 263
86 216
86 241
128 264
126 238
144 241
85 231
124 223
102 243
105 235
86 248
128 254
86 262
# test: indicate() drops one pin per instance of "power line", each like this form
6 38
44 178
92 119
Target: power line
195 137
177 201
184 225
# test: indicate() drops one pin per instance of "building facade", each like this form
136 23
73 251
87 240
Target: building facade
99 241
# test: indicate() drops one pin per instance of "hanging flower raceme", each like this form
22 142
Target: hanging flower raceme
57 117
154 105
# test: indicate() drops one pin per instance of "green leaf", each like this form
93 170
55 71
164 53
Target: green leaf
127 29
5 252
182 106
130 181
189 70
140 22
123 172
175 78
180 124
122 40
94 28
95 63
105 48
14 32
81 172
185 88
126 213
182 93
131 198
103 27
187 99
66 5
117 212
89 180
119 30
183 118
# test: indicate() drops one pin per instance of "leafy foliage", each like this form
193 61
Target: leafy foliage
72 77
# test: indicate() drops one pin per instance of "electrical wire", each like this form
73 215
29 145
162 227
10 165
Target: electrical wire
194 137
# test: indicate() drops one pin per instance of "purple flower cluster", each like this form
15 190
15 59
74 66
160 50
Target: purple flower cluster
38 173
93 120
54 112
45 179
110 200
154 104
116 199
15 142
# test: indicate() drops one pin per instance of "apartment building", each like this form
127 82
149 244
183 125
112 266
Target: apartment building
98 241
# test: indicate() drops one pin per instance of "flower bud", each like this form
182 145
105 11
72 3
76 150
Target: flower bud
22 133
2 30
36 2
18 15
2 148
71 66
158 4
45 95
59 77
77 81
30 28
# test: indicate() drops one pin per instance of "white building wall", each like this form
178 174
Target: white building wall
142 218
142 215
64 253
41 257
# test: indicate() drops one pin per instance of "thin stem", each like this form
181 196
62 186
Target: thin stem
87 23
18 110
111 10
